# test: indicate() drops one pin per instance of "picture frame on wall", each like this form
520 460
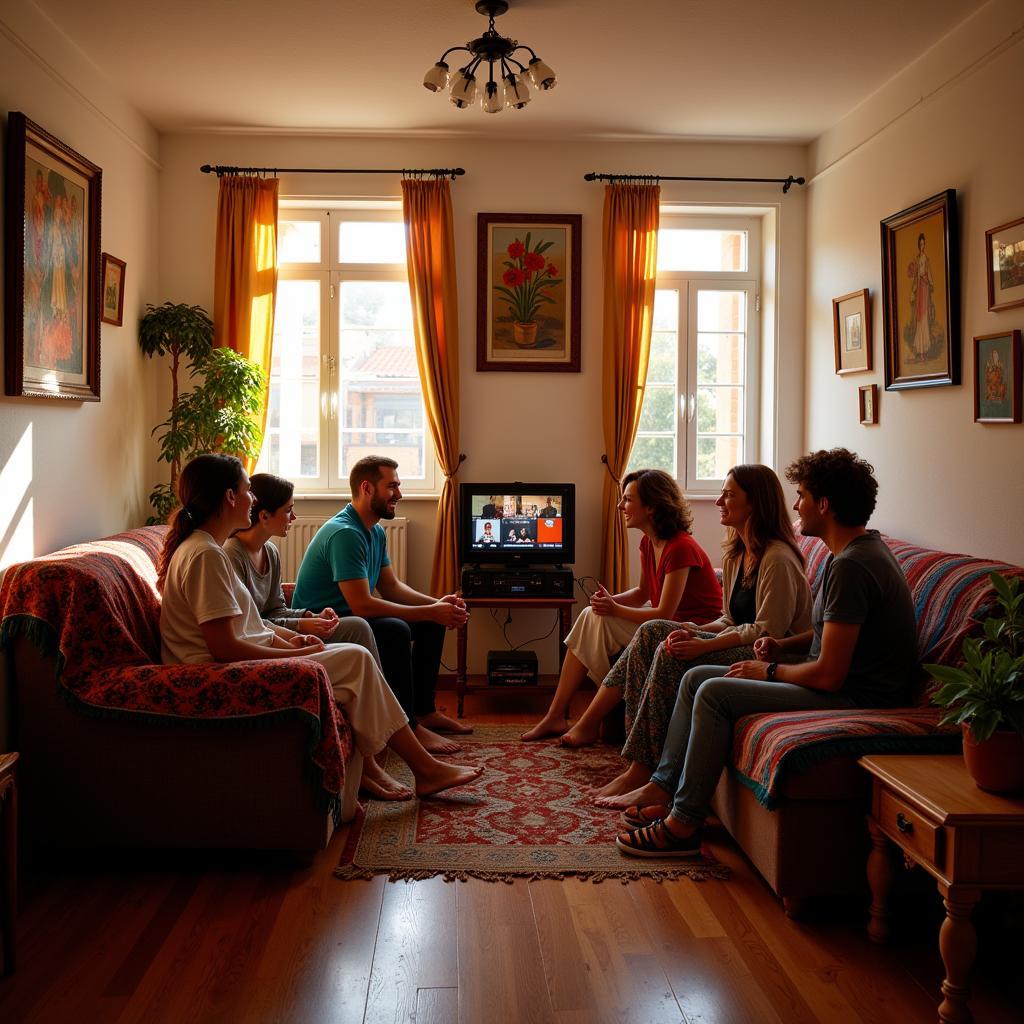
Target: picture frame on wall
921 294
867 403
1004 265
113 290
528 292
52 280
997 378
851 327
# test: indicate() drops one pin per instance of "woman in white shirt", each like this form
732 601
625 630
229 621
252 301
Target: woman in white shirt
207 614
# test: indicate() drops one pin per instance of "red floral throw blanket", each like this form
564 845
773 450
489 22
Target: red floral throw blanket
96 608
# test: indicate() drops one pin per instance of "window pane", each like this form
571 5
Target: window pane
661 368
659 411
719 358
381 402
364 241
666 309
298 241
291 445
701 249
719 410
653 453
721 310
717 455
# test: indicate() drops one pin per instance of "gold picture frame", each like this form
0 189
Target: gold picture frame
851 328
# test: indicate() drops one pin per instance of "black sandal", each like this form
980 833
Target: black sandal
657 841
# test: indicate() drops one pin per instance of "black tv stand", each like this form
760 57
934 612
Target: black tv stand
516 581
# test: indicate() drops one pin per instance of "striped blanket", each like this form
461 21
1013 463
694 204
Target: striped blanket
952 595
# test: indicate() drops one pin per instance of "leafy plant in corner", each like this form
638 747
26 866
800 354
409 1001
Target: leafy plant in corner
987 690
218 414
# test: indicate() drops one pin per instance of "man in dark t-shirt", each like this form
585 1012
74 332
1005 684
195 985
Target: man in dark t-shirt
860 652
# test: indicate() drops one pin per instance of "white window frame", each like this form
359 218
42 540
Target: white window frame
331 273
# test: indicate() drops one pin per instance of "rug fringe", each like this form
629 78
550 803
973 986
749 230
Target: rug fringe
695 872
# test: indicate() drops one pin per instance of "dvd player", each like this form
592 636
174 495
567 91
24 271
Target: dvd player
480 582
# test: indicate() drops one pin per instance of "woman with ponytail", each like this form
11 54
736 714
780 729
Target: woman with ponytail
207 614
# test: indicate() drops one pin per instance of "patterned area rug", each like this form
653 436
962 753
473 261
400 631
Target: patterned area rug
529 815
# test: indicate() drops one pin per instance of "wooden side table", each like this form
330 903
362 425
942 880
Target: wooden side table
8 860
966 839
562 604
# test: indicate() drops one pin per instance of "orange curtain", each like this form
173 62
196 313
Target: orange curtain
630 260
430 254
245 281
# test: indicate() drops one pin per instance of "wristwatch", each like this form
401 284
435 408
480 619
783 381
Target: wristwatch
770 671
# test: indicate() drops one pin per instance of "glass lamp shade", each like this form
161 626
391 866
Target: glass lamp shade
437 77
517 93
463 89
494 98
541 75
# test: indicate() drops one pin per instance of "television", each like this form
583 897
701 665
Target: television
515 523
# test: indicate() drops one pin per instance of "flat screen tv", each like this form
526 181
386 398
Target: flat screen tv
518 524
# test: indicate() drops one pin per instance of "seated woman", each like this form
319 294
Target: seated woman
258 565
676 582
765 593
208 615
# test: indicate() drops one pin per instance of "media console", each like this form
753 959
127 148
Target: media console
478 581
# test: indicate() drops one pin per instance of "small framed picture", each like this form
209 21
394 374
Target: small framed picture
113 290
867 399
1004 265
851 324
997 378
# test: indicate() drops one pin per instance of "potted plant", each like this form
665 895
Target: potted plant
985 695
527 276
218 414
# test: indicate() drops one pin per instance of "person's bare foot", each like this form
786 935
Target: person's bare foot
434 744
578 737
544 728
644 796
381 786
635 775
441 776
440 722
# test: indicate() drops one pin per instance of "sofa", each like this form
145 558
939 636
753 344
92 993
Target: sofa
118 750
793 796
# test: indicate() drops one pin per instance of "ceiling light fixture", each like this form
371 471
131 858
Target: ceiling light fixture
508 88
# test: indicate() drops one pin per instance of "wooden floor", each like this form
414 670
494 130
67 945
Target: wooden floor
229 938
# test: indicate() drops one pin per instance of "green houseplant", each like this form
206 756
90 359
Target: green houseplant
218 413
985 695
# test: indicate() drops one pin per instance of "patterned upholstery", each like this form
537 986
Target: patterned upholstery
952 595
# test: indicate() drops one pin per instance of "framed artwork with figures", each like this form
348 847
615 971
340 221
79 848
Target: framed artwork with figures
851 327
997 378
921 294
52 279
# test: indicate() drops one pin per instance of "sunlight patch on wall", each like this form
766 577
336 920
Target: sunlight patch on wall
16 530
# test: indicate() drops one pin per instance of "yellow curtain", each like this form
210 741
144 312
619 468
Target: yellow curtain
630 260
245 280
430 254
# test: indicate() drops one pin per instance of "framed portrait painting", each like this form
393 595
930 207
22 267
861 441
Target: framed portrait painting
1004 265
997 378
528 292
52 286
851 327
113 290
921 294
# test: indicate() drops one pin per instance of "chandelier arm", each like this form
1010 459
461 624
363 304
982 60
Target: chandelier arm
522 67
471 67
523 46
452 49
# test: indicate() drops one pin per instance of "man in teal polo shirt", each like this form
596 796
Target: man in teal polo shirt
346 567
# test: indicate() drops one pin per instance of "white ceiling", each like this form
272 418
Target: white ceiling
769 69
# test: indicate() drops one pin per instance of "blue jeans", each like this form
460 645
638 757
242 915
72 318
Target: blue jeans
700 733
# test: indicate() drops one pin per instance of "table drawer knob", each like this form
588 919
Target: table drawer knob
905 826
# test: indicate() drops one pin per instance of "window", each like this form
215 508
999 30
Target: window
700 410
343 378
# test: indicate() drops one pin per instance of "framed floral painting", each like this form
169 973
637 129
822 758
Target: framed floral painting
1004 265
52 280
997 378
528 292
921 294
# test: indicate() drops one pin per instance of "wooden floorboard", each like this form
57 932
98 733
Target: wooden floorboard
140 938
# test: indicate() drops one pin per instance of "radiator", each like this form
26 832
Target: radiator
293 547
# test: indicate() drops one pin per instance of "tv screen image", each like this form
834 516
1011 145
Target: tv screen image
517 523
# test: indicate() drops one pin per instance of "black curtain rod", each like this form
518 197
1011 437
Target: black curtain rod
786 183
437 172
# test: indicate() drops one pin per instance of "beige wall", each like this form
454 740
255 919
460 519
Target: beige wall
948 121
73 471
533 178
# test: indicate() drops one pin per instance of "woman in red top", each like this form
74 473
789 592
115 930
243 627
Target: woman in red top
676 582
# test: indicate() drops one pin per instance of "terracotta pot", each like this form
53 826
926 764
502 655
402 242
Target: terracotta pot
997 764
524 335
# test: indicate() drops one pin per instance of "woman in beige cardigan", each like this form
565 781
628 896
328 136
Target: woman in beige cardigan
764 593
